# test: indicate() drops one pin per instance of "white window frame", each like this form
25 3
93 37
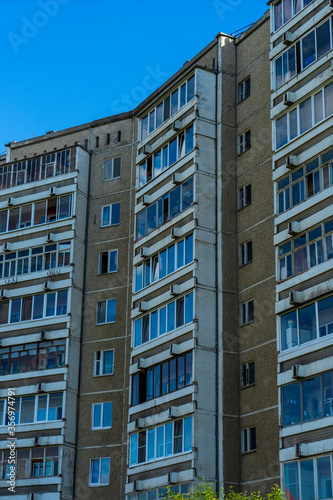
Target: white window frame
110 218
100 427
109 252
112 169
245 370
99 472
100 362
242 89
245 196
246 440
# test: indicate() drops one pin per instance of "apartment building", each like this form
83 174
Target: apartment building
166 290
301 110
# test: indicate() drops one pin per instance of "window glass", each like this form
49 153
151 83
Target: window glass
138 278
166 108
168 439
173 152
27 409
65 207
190 88
107 362
180 254
307 480
171 259
289 330
174 102
25 216
115 213
281 131
157 381
312 400
151 218
291 404
183 95
105 470
293 125
305 115
163 312
181 372
189 249
178 436
157 163
278 15
180 312
160 441
4 306
187 193
308 49
145 329
329 100
189 308
162 264
323 39
159 114
15 314
307 323
189 140
325 312
38 306
50 304
291 480
165 378
328 393
175 202
141 224
171 316
318 107
97 415
14 217
111 311
172 367
138 332
324 478
62 302
154 325
41 408
151 444
152 121
144 127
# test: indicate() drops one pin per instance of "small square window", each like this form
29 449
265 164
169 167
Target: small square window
99 472
102 416
108 262
103 363
106 311
110 215
111 168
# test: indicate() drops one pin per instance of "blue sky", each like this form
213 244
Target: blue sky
67 62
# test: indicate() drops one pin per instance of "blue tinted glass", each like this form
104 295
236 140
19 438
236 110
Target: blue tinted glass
154 325
115 213
171 259
163 320
97 415
171 316
173 152
189 308
111 313
134 449
189 249
138 332
106 216
180 254
162 264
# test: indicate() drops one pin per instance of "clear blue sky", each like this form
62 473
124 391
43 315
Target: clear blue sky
67 62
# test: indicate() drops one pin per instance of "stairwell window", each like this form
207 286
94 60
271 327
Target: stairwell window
102 416
103 363
108 262
247 312
249 442
245 253
244 89
110 215
248 374
244 196
111 168
99 472
106 311
244 142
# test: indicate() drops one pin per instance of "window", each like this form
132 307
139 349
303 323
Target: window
103 363
306 181
164 209
164 263
247 312
165 319
108 139
308 400
108 262
119 136
308 479
110 215
309 322
305 116
161 442
35 462
32 357
97 142
111 168
106 311
284 10
35 169
247 374
244 89
35 259
244 196
169 106
51 210
158 493
161 379
102 416
244 142
249 440
245 253
33 307
99 472
166 156
32 409
306 251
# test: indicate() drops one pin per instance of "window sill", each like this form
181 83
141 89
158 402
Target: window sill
242 152
248 323
242 208
247 386
245 263
248 452
96 485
